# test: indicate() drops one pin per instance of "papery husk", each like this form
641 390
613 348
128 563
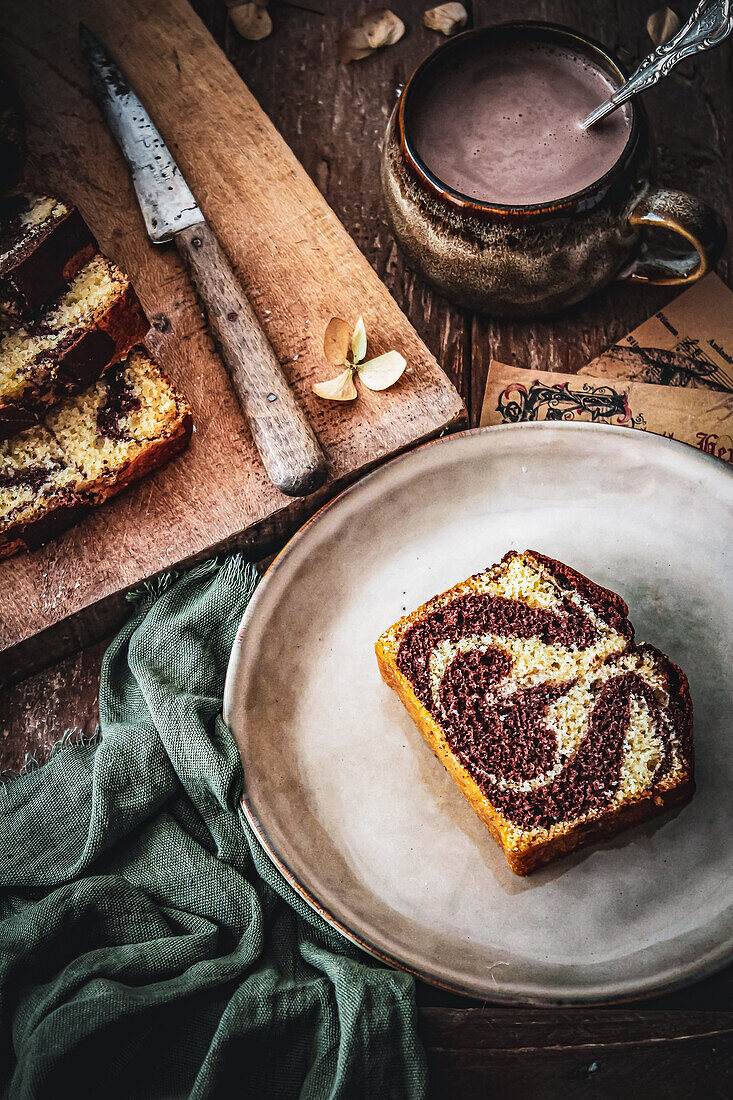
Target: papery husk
662 25
382 372
353 45
382 27
359 341
336 341
377 28
252 21
446 18
340 388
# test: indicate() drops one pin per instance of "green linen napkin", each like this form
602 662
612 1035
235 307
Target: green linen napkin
148 947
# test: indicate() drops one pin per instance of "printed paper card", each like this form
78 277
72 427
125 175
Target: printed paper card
673 375
701 417
688 343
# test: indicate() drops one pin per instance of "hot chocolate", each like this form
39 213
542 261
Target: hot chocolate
503 125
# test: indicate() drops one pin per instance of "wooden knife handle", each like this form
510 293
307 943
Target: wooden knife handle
288 448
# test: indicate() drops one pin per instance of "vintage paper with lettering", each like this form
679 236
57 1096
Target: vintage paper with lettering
701 417
688 343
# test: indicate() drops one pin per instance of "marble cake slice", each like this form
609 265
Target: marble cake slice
43 244
87 449
66 347
557 727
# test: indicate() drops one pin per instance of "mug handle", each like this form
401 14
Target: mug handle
697 224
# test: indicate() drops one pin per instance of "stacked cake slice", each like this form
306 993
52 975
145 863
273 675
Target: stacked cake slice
558 729
83 411
43 243
92 324
88 448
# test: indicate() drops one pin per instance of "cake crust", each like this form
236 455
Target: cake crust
526 850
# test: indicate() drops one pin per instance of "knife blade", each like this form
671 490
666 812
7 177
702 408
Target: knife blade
284 439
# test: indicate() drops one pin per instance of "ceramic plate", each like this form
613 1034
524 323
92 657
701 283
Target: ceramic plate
351 803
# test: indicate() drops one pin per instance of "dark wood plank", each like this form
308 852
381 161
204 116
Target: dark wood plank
60 702
559 1054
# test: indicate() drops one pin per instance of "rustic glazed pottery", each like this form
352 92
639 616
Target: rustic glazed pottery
527 260
350 802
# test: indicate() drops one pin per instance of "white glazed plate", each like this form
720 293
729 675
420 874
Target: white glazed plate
352 805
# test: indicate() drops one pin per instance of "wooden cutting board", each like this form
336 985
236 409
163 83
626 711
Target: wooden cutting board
299 268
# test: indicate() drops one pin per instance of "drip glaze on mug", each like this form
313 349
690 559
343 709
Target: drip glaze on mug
503 125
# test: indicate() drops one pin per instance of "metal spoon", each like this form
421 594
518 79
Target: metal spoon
710 23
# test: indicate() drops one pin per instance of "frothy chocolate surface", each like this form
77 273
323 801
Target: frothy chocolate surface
503 125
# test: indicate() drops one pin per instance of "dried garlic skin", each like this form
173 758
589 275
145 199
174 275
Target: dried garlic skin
251 21
341 388
359 341
377 28
446 18
377 374
336 341
382 372
382 27
353 45
662 25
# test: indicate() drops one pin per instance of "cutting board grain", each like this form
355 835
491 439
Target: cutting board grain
296 262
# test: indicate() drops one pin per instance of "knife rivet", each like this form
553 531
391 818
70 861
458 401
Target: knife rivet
196 242
272 397
231 316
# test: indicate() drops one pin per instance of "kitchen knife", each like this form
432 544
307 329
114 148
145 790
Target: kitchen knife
287 446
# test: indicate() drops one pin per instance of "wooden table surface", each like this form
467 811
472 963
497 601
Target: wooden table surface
333 117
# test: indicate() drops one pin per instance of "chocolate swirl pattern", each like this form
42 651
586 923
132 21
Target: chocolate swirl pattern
532 676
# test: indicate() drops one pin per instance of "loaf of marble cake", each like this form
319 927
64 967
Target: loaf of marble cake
87 449
65 347
557 727
43 244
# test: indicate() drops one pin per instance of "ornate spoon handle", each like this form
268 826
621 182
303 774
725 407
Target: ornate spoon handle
710 23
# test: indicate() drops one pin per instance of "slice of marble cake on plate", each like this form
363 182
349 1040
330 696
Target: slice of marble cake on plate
557 727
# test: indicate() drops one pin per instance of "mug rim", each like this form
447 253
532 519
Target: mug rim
465 203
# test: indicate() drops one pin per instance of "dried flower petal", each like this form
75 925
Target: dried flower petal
353 44
382 28
662 25
252 21
341 388
359 341
446 18
382 372
336 341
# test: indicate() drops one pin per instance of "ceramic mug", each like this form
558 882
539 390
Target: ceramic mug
526 260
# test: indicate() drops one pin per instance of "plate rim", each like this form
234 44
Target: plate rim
709 963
